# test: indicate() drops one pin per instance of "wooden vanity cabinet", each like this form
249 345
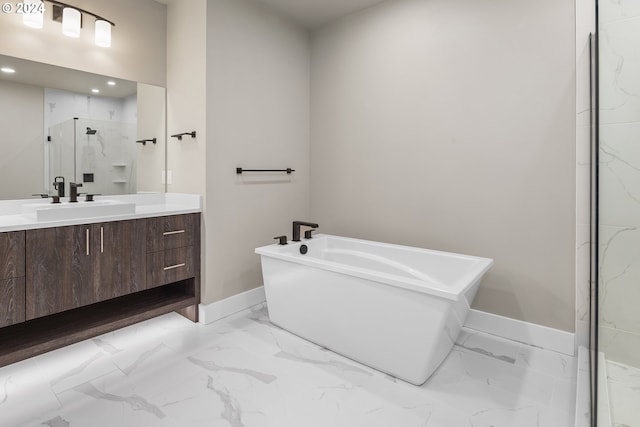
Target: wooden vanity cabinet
61 285
12 271
70 267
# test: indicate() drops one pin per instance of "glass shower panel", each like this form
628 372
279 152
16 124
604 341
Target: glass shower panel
61 152
105 156
619 214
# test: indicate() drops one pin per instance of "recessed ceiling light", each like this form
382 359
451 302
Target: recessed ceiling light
95 90
111 83
7 70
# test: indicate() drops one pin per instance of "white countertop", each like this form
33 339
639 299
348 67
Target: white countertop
148 205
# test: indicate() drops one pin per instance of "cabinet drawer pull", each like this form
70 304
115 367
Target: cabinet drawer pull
171 233
172 267
87 241
101 240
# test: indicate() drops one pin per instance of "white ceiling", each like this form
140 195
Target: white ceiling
315 13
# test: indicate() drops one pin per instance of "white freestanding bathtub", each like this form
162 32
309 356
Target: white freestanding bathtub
395 308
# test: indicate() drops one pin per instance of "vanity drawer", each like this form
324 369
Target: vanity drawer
172 265
12 301
12 255
170 232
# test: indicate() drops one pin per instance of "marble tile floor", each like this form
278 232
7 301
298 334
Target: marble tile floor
245 372
624 394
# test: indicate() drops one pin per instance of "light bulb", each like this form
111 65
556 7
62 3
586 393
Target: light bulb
34 13
103 33
71 22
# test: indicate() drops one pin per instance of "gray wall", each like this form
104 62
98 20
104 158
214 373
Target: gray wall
150 158
186 104
21 120
257 112
450 124
186 96
138 41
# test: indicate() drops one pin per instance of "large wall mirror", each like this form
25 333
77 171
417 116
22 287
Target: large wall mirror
57 123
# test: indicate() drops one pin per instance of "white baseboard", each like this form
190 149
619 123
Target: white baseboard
524 332
218 310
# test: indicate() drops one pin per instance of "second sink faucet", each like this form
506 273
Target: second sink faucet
296 228
58 185
73 192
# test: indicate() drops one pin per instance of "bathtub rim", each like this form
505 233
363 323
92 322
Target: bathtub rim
455 292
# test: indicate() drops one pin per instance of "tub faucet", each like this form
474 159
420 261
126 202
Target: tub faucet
73 192
296 228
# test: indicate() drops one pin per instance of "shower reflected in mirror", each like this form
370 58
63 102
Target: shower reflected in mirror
54 126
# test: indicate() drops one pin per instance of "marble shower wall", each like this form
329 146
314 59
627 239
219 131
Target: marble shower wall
109 154
619 321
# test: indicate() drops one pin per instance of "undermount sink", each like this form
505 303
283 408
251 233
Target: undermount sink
79 210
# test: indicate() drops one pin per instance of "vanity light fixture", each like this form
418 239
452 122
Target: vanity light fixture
7 70
71 18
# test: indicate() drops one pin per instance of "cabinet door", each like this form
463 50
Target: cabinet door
11 255
11 301
58 267
119 258
12 278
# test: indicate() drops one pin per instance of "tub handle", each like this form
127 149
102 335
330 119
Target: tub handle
282 240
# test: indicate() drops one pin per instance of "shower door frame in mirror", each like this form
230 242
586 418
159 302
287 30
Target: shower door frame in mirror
593 250
107 161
